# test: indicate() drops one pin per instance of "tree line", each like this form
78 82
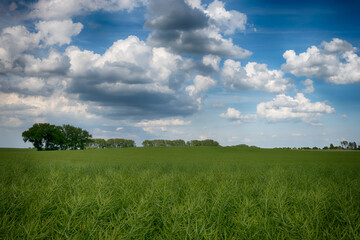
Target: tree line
111 143
344 145
178 142
46 136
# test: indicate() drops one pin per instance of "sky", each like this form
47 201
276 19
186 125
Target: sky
266 73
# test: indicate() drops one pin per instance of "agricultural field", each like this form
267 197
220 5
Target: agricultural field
179 193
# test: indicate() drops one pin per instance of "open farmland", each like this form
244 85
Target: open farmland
180 193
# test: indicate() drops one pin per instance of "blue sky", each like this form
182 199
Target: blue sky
265 73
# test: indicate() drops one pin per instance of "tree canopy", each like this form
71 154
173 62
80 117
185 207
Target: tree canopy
45 136
111 143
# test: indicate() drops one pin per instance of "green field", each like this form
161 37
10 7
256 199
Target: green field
179 193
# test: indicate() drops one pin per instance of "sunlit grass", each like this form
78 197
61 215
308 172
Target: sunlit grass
179 193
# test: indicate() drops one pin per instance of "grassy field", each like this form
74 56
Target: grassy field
179 193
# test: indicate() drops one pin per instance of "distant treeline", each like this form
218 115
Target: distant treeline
344 145
111 143
178 142
245 146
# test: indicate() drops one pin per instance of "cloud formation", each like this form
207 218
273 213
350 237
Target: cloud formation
189 28
201 85
309 87
286 108
58 32
254 76
22 71
61 9
16 109
236 116
161 125
16 43
335 61
132 78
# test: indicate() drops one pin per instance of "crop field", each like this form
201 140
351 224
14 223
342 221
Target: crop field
179 193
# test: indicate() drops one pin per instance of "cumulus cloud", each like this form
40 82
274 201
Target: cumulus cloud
211 60
61 9
58 32
16 109
35 76
236 116
254 76
285 108
227 21
309 87
201 84
17 46
132 78
187 27
153 126
335 61
14 41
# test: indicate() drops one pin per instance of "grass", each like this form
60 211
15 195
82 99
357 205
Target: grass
179 193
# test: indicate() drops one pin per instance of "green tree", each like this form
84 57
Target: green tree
206 142
44 136
75 138
344 144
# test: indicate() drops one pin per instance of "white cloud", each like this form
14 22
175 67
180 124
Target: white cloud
135 78
129 61
55 63
61 9
309 87
285 108
35 76
201 84
16 109
190 28
254 76
336 62
14 41
211 60
235 115
119 128
227 21
162 122
161 125
58 32
344 116
17 44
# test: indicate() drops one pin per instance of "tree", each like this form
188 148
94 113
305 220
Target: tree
120 143
44 136
97 143
75 138
206 142
352 145
344 144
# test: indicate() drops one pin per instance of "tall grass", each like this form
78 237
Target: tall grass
179 193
